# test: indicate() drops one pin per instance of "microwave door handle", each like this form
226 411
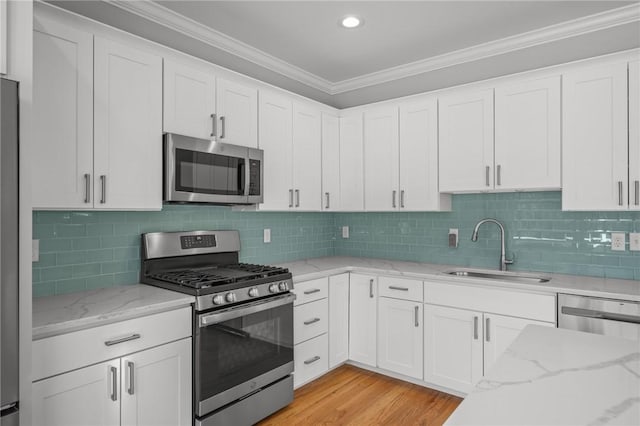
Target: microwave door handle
228 314
242 178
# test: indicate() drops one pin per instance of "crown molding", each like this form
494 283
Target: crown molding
161 15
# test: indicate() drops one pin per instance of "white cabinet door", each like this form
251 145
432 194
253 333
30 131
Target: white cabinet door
307 157
3 36
527 135
189 100
499 332
363 319
381 159
466 142
275 138
419 157
351 163
156 386
79 398
634 135
62 158
338 319
453 347
127 127
237 107
330 162
594 140
400 336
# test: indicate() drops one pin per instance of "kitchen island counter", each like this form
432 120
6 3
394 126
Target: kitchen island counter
552 376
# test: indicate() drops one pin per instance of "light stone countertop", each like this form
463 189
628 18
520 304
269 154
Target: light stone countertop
65 313
552 376
308 269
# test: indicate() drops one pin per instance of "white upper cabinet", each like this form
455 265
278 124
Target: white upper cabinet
275 130
634 135
595 138
127 127
3 36
381 159
237 109
419 157
527 135
351 162
466 142
330 162
307 157
62 157
189 100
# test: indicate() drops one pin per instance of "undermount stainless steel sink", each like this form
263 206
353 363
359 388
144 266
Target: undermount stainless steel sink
500 276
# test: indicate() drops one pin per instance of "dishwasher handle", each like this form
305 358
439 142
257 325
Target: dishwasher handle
590 313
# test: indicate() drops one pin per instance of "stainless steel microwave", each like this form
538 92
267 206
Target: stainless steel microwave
204 171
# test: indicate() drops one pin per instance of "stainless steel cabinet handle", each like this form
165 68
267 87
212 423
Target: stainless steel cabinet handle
291 198
393 287
297 198
619 192
103 183
486 330
131 371
416 311
402 199
371 288
313 290
498 177
487 170
122 340
475 328
637 191
87 188
326 194
223 122
214 126
312 360
114 383
311 321
393 199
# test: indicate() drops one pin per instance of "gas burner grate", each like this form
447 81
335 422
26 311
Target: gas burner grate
190 278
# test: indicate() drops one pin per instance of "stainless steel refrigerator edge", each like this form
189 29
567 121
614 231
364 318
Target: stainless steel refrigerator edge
9 252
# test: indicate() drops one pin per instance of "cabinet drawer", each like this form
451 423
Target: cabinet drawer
310 320
311 359
400 288
309 291
65 352
541 307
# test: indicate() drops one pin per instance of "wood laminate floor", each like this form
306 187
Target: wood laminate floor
352 396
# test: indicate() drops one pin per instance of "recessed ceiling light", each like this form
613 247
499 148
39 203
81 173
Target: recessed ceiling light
350 22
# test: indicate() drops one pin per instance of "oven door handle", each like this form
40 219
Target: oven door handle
239 311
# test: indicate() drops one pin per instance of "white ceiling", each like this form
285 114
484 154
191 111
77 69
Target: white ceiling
404 47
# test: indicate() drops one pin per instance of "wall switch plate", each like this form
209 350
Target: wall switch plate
453 237
618 241
345 232
35 250
267 235
634 241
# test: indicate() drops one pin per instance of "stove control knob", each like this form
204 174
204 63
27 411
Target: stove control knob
218 299
230 297
284 286
253 292
273 288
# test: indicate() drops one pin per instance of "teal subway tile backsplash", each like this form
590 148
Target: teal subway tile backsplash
85 250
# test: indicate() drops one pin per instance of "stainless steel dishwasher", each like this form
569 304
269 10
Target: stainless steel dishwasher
611 317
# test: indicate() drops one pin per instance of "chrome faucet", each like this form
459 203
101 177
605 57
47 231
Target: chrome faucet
503 260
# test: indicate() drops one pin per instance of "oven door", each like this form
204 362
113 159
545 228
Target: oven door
242 349
199 170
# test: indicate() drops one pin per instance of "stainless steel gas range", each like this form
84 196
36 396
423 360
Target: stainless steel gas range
243 323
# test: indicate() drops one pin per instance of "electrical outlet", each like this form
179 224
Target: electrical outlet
345 232
35 250
618 241
267 235
453 237
634 241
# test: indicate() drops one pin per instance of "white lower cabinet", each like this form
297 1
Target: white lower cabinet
338 319
400 336
310 360
363 322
